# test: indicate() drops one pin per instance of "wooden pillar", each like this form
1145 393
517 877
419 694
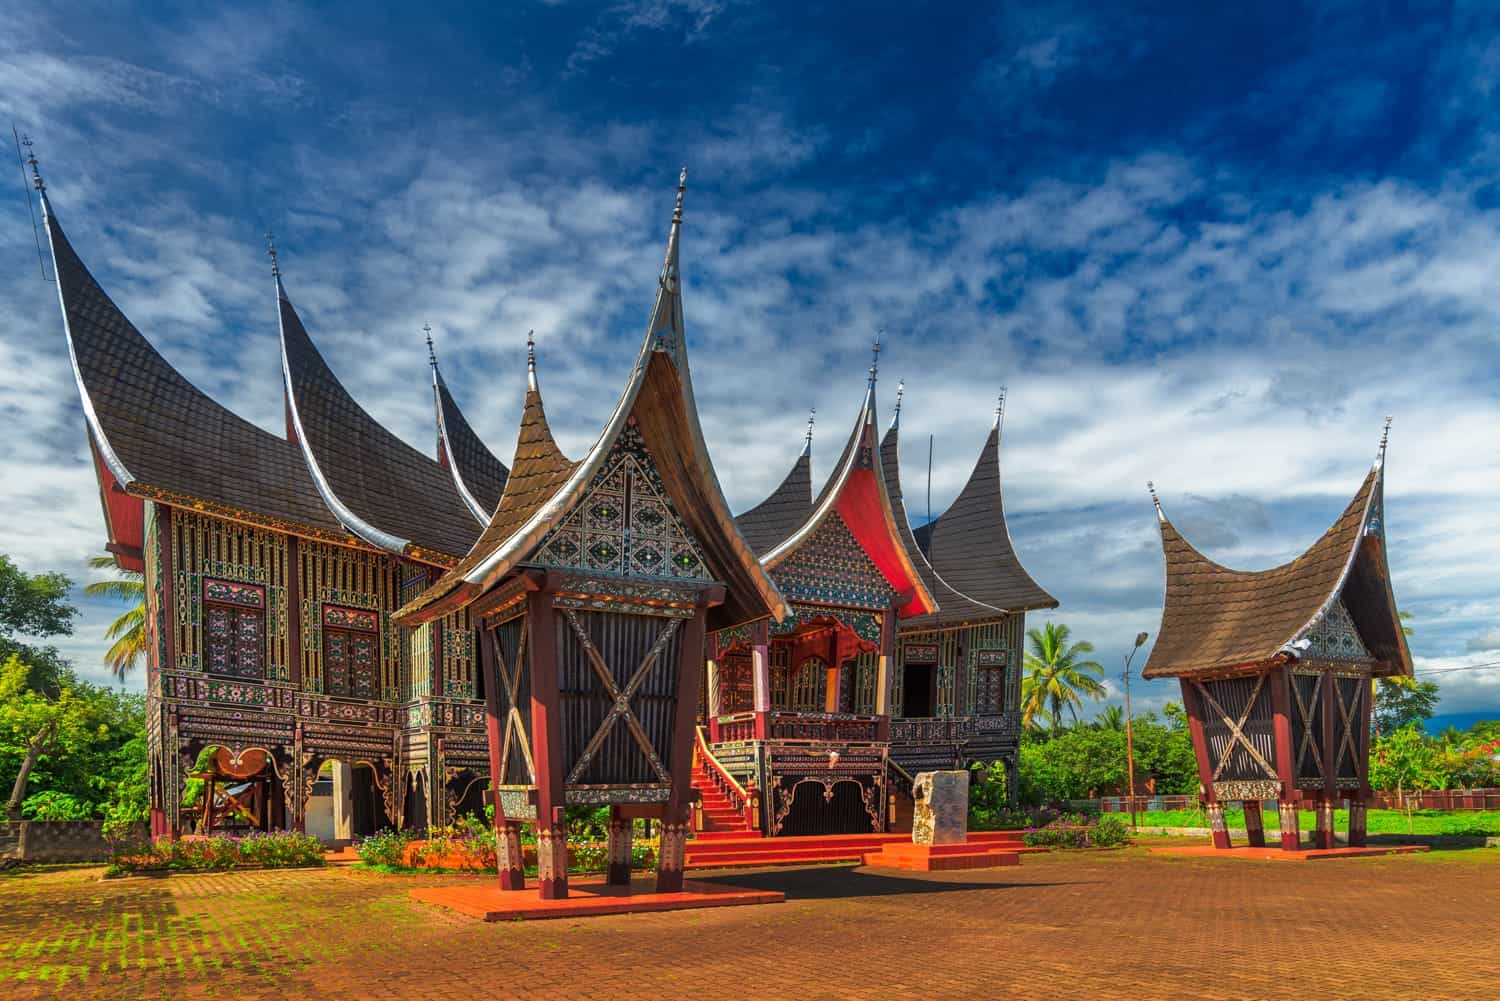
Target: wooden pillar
833 677
168 609
508 859
1329 736
1194 706
714 679
760 667
619 848
1358 837
1255 823
674 827
1286 758
1360 800
885 674
547 748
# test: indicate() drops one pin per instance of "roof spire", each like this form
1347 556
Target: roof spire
431 354
807 438
875 356
1155 500
1385 436
999 410
531 360
896 417
36 171
271 253
681 188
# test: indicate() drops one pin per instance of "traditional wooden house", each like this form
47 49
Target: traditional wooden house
406 632
1276 668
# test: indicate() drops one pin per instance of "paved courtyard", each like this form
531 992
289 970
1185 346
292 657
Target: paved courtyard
1114 924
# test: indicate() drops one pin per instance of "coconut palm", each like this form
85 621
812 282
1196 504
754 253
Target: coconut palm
1057 676
129 630
1111 718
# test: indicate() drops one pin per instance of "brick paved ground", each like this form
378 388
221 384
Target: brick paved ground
1095 925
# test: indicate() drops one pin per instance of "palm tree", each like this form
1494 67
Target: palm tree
129 630
1111 718
1057 676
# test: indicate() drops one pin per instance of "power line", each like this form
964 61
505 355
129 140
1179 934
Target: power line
1487 666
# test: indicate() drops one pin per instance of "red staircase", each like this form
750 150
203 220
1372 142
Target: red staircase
721 820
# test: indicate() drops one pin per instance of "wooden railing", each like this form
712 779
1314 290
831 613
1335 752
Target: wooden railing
738 726
953 729
824 726
744 798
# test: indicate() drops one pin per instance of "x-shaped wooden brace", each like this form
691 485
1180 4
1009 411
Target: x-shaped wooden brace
1237 728
515 726
1305 708
621 697
1347 739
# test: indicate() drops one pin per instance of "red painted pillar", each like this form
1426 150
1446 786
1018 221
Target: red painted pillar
547 749
619 848
884 673
674 826
509 864
1194 706
1255 823
1286 759
760 666
1329 736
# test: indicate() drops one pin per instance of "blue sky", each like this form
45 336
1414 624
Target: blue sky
1213 250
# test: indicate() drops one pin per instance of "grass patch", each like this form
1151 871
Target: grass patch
1473 822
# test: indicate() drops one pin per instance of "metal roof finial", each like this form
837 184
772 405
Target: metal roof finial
1000 410
875 356
807 438
681 188
1155 500
36 170
271 252
1385 436
531 359
431 353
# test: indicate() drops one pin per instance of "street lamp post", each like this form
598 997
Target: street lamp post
1140 639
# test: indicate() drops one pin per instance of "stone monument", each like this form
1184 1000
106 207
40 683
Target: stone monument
942 808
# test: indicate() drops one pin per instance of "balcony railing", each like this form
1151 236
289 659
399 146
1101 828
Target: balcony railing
823 726
954 729
737 726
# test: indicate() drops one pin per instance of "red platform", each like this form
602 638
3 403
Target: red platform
1282 855
587 898
753 850
939 858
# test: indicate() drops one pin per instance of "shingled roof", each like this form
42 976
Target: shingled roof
541 491
969 544
783 512
1216 620
478 476
158 436
379 487
954 607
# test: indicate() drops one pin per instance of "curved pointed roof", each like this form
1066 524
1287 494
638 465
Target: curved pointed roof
658 401
954 607
478 476
969 543
379 487
857 492
1215 619
158 436
783 511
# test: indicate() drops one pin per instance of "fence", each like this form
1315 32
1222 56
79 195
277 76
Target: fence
55 841
1441 799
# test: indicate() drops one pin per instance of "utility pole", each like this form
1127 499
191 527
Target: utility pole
1140 639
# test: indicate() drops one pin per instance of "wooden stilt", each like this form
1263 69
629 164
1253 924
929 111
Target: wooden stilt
1286 762
1194 706
1357 822
547 747
675 817
1291 834
1323 835
508 858
1255 823
619 848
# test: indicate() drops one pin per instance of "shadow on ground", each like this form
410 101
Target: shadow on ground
831 882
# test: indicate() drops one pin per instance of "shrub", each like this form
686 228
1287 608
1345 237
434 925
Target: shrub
1110 830
278 849
385 848
55 806
1077 830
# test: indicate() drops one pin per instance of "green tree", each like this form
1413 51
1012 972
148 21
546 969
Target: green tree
38 722
129 630
1406 763
1057 676
34 606
1398 706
